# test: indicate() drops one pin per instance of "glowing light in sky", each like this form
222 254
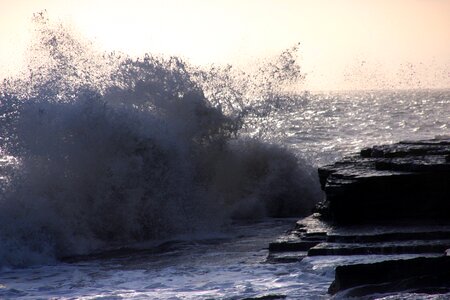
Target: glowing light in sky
339 39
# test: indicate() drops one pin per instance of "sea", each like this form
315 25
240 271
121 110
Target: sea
151 178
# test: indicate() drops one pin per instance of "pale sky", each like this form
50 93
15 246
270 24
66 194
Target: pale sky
345 44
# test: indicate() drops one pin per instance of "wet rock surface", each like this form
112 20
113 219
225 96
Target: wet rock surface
317 237
389 201
424 274
407 180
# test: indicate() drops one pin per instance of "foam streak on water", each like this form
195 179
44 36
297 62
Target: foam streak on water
231 266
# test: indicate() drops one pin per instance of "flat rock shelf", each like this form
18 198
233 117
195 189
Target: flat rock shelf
388 201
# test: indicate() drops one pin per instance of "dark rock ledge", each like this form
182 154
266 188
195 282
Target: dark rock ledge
419 275
388 200
407 180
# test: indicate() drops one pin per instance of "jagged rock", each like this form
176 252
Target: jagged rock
416 247
388 200
291 246
317 238
285 257
389 237
388 240
431 275
407 180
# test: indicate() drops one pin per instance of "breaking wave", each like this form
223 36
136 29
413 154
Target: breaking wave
102 150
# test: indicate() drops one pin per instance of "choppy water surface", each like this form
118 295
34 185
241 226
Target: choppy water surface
331 125
105 151
230 266
233 265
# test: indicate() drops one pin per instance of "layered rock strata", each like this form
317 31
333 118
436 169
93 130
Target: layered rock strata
404 181
388 201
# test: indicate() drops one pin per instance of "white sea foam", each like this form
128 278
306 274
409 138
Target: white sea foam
113 150
106 151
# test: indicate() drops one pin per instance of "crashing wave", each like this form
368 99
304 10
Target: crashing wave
110 150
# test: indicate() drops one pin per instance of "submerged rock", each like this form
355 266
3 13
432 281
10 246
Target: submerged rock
407 180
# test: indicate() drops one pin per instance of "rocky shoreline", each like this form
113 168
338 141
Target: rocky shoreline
408 180
388 200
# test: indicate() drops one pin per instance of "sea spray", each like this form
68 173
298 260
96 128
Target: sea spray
111 150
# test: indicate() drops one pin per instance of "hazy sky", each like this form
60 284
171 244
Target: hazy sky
345 44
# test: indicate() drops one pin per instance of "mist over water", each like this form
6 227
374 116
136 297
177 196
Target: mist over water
104 150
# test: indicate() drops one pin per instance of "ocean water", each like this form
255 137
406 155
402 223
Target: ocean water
330 125
153 178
